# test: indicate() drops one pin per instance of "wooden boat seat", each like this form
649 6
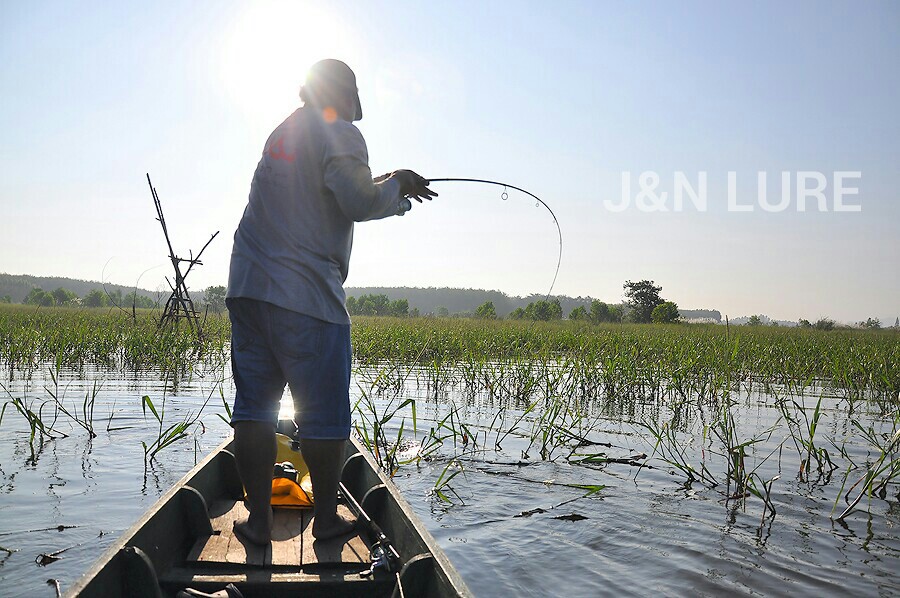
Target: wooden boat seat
292 543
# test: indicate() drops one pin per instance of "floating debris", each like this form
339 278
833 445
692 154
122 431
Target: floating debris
531 512
45 559
572 517
59 528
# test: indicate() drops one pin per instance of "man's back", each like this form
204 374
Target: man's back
292 247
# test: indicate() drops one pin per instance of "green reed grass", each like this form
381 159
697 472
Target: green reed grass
508 360
72 338
542 381
84 419
442 487
169 433
40 427
514 359
884 471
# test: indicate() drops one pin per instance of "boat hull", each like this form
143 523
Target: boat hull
186 540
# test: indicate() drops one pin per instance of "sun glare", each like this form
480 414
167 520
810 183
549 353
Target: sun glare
268 48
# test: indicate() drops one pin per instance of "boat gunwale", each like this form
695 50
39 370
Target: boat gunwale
440 558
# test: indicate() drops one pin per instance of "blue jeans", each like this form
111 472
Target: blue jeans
272 346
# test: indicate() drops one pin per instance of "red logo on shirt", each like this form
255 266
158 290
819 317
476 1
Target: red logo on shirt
276 151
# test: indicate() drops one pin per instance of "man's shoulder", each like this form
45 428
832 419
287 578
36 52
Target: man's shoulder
342 138
344 129
305 126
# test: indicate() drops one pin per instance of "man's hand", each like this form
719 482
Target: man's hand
412 185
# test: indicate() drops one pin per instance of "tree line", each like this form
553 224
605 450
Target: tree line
379 305
212 297
643 304
62 296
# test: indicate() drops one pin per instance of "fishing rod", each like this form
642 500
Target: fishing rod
504 196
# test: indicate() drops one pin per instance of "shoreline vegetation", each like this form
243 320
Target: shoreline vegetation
398 301
547 386
681 358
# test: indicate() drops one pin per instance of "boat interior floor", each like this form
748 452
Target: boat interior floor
293 563
292 543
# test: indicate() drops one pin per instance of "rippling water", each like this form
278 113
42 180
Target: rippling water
639 536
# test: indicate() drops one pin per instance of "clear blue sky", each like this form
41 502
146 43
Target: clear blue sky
557 97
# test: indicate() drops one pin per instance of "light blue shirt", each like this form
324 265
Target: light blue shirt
292 246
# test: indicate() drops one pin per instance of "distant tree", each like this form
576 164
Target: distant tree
616 313
544 310
897 322
665 313
774 324
599 312
754 320
139 301
555 310
486 311
215 298
442 311
32 295
115 298
399 308
37 296
363 308
374 305
63 296
824 324
603 312
579 314
517 314
804 323
377 305
871 324
6 299
414 312
642 297
95 298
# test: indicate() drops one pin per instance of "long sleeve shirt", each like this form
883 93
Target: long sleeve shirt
292 246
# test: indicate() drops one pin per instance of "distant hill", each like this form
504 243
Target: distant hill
426 300
17 286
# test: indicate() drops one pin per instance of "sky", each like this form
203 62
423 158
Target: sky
568 100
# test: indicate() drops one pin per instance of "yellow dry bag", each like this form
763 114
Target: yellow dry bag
291 485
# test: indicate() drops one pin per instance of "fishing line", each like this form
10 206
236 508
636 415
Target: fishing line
504 196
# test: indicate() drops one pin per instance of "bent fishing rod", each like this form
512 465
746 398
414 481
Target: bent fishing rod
505 196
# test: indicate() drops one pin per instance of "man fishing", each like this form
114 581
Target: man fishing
285 291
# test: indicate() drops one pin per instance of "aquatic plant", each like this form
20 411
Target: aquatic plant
39 430
878 476
86 418
170 433
442 487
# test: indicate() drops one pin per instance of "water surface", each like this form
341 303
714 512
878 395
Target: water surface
637 536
